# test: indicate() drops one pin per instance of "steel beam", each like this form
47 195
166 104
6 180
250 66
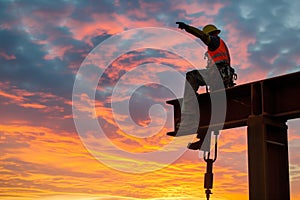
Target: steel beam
264 106
277 97
268 159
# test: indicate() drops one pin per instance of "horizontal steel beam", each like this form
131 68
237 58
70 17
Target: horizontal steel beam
276 97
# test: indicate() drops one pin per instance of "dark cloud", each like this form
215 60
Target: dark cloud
54 7
100 38
83 11
30 70
265 21
145 97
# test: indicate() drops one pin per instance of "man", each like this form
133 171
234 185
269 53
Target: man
218 65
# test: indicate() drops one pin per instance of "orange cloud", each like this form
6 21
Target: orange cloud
41 163
12 95
7 57
33 105
57 51
209 9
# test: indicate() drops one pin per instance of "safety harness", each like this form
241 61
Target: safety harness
221 58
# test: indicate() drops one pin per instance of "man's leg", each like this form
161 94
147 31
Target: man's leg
190 114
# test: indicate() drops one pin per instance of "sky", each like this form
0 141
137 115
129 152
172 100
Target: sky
83 86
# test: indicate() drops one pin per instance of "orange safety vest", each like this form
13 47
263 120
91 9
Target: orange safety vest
221 54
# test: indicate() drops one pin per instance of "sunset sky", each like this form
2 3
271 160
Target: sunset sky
115 146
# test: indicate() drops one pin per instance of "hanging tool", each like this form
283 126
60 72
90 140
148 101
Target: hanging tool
208 178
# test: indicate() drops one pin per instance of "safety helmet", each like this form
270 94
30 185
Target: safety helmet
210 28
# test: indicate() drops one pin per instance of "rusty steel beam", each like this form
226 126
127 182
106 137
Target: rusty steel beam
277 97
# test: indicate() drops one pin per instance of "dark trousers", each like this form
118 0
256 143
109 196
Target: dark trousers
205 77
214 78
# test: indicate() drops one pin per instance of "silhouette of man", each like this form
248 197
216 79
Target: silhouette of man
218 65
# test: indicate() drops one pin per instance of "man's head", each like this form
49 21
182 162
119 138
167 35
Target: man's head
211 29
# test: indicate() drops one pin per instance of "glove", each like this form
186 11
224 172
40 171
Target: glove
181 25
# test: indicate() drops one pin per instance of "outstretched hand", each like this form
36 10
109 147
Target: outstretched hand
181 25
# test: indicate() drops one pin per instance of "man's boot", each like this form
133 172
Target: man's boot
195 145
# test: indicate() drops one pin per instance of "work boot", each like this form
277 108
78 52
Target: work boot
195 145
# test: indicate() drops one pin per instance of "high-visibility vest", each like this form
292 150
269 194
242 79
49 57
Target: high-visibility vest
221 54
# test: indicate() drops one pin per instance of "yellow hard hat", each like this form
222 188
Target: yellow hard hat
210 28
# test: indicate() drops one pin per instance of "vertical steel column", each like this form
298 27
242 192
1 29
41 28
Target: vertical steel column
268 163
